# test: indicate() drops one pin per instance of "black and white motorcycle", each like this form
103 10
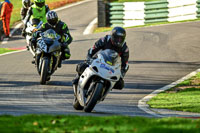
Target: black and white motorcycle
97 80
48 54
32 26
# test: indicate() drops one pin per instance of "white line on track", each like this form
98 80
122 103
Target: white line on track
90 27
142 104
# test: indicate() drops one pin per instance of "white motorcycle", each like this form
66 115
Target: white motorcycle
97 80
29 31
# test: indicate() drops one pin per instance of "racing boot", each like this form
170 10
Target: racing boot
66 53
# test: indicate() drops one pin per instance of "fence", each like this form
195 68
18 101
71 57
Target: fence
140 13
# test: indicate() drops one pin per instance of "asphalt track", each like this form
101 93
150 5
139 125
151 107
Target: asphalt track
159 55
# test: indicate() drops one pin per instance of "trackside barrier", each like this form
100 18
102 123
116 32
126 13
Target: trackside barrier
140 13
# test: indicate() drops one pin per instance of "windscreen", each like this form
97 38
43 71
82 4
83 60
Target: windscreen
110 56
49 36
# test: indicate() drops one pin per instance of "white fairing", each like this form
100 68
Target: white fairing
99 68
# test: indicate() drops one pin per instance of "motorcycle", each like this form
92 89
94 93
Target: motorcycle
47 54
97 80
32 26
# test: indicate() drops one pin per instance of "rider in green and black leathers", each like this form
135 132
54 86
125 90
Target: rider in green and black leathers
36 12
60 28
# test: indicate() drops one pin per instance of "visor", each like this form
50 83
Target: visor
40 4
118 40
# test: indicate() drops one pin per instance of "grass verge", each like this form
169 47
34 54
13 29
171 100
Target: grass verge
5 50
83 124
182 97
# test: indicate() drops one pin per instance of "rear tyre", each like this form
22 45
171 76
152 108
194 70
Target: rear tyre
93 97
44 71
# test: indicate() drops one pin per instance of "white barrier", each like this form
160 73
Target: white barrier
182 10
178 10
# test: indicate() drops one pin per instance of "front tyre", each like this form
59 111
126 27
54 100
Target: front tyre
44 71
93 97
76 104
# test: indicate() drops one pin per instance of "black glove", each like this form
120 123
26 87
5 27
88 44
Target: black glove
124 70
88 59
122 73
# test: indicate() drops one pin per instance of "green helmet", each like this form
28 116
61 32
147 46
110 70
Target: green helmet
39 3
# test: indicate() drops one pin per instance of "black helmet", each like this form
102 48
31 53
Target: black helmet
118 36
52 18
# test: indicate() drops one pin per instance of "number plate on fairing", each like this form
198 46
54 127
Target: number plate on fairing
42 45
107 68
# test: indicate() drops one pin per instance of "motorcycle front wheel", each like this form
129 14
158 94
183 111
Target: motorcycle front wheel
93 97
76 104
44 70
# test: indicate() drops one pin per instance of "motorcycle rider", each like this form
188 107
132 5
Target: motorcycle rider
25 6
115 41
60 28
37 11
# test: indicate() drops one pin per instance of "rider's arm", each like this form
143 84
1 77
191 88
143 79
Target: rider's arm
23 13
28 15
124 59
97 46
66 38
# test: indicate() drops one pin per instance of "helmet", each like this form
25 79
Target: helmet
52 18
26 3
39 3
118 36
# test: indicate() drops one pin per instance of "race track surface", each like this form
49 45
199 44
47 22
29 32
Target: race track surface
159 55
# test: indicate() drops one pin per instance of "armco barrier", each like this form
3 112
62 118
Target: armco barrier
140 13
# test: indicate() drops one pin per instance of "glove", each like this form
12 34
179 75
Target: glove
64 45
124 70
88 60
123 73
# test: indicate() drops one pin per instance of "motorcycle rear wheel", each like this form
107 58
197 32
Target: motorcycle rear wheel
93 97
44 71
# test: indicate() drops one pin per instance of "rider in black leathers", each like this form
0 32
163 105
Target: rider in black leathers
25 6
115 41
60 28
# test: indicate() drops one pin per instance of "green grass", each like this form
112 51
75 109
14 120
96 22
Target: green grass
88 124
183 97
5 50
